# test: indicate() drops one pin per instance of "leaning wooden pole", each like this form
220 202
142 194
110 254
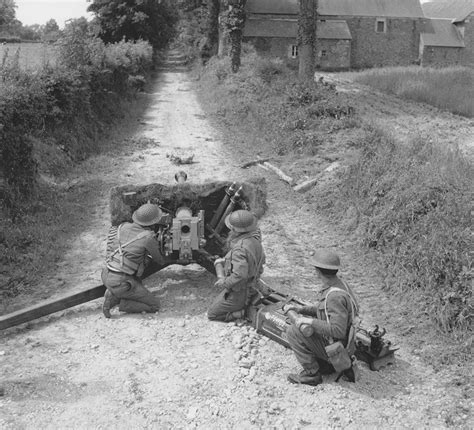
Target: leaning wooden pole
67 301
50 306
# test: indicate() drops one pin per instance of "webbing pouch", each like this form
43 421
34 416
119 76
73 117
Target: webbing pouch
338 356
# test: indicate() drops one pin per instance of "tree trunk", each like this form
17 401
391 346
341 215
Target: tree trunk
306 39
235 22
235 49
213 26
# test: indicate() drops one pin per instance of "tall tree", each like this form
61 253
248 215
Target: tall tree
7 11
51 30
307 38
134 19
51 26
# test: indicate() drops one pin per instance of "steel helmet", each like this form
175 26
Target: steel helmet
326 259
241 221
147 214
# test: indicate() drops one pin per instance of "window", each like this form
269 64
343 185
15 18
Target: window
380 26
323 53
294 51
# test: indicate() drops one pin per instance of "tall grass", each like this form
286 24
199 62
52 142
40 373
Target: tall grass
450 89
415 207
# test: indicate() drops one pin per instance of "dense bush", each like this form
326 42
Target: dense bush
415 206
67 103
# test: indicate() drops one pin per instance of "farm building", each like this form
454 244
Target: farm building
350 33
361 33
449 42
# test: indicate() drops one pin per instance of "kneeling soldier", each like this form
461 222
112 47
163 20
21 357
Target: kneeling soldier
330 318
128 251
243 266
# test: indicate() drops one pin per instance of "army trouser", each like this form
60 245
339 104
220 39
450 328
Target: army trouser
134 297
309 351
226 303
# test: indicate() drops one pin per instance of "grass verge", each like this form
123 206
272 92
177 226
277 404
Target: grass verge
450 89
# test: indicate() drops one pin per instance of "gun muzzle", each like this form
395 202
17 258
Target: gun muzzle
181 177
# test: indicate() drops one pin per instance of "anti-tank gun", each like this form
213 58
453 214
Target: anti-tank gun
192 229
182 234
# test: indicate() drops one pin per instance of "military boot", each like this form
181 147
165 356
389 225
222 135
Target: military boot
232 316
109 302
308 377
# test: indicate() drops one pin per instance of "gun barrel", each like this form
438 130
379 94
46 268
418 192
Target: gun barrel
233 200
225 201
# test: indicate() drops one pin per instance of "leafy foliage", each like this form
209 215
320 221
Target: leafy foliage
135 20
65 104
7 11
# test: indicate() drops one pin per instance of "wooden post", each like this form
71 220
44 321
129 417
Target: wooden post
49 307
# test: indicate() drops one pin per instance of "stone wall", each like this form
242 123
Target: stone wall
274 47
333 54
397 46
442 56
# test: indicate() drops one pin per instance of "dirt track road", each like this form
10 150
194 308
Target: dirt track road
177 370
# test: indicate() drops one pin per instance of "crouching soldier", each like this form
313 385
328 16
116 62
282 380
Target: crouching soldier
330 320
129 248
243 265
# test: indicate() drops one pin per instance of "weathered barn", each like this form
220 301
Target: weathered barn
350 33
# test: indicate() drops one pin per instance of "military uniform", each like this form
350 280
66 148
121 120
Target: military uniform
310 351
243 266
129 247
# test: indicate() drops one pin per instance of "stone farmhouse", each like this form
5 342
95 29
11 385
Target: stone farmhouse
448 42
361 33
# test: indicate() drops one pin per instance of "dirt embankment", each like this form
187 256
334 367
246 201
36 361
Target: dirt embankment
175 369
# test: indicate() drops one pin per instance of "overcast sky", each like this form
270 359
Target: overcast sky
40 11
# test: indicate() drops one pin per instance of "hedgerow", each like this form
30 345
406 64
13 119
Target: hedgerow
65 105
414 205
49 119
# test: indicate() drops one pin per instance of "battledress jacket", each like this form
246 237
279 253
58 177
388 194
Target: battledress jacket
244 262
137 243
339 311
